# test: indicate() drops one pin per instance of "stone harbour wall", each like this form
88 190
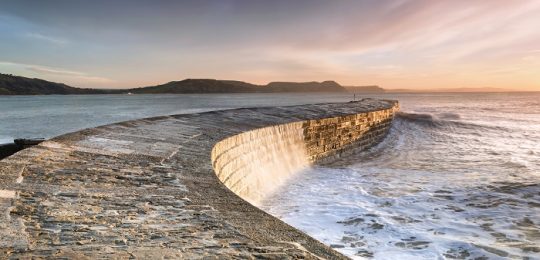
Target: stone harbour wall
255 163
329 137
147 188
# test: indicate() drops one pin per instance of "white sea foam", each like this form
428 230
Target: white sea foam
462 185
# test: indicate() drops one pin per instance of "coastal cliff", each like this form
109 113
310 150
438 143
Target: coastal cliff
159 187
16 85
233 86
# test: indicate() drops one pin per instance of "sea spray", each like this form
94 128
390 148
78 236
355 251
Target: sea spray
458 177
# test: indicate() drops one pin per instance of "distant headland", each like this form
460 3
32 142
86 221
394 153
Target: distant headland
17 85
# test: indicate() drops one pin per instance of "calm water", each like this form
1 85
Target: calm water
49 116
457 177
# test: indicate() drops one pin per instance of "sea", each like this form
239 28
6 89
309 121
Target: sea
53 115
457 177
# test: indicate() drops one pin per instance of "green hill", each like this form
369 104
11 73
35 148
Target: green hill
198 86
15 85
232 86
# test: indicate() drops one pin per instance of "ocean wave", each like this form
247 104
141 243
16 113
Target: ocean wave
449 116
415 116
444 120
446 182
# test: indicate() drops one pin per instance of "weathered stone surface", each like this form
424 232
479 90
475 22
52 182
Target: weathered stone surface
254 163
147 189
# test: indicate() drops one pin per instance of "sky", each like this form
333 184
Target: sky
414 44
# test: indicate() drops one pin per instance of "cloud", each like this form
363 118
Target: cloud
47 70
46 38
63 74
267 40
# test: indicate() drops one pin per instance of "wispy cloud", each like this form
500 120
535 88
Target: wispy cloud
47 70
68 75
395 43
46 38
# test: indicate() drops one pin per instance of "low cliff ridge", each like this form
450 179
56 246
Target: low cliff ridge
233 86
197 86
15 85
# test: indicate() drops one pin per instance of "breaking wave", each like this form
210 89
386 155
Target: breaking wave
460 184
442 120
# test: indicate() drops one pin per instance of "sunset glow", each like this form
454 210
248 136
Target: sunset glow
394 44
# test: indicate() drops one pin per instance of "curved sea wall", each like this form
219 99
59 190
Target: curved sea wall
255 163
166 187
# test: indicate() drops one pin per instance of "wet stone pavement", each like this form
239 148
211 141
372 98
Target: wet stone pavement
146 189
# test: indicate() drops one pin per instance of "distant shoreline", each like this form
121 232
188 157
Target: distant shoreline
295 93
17 85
